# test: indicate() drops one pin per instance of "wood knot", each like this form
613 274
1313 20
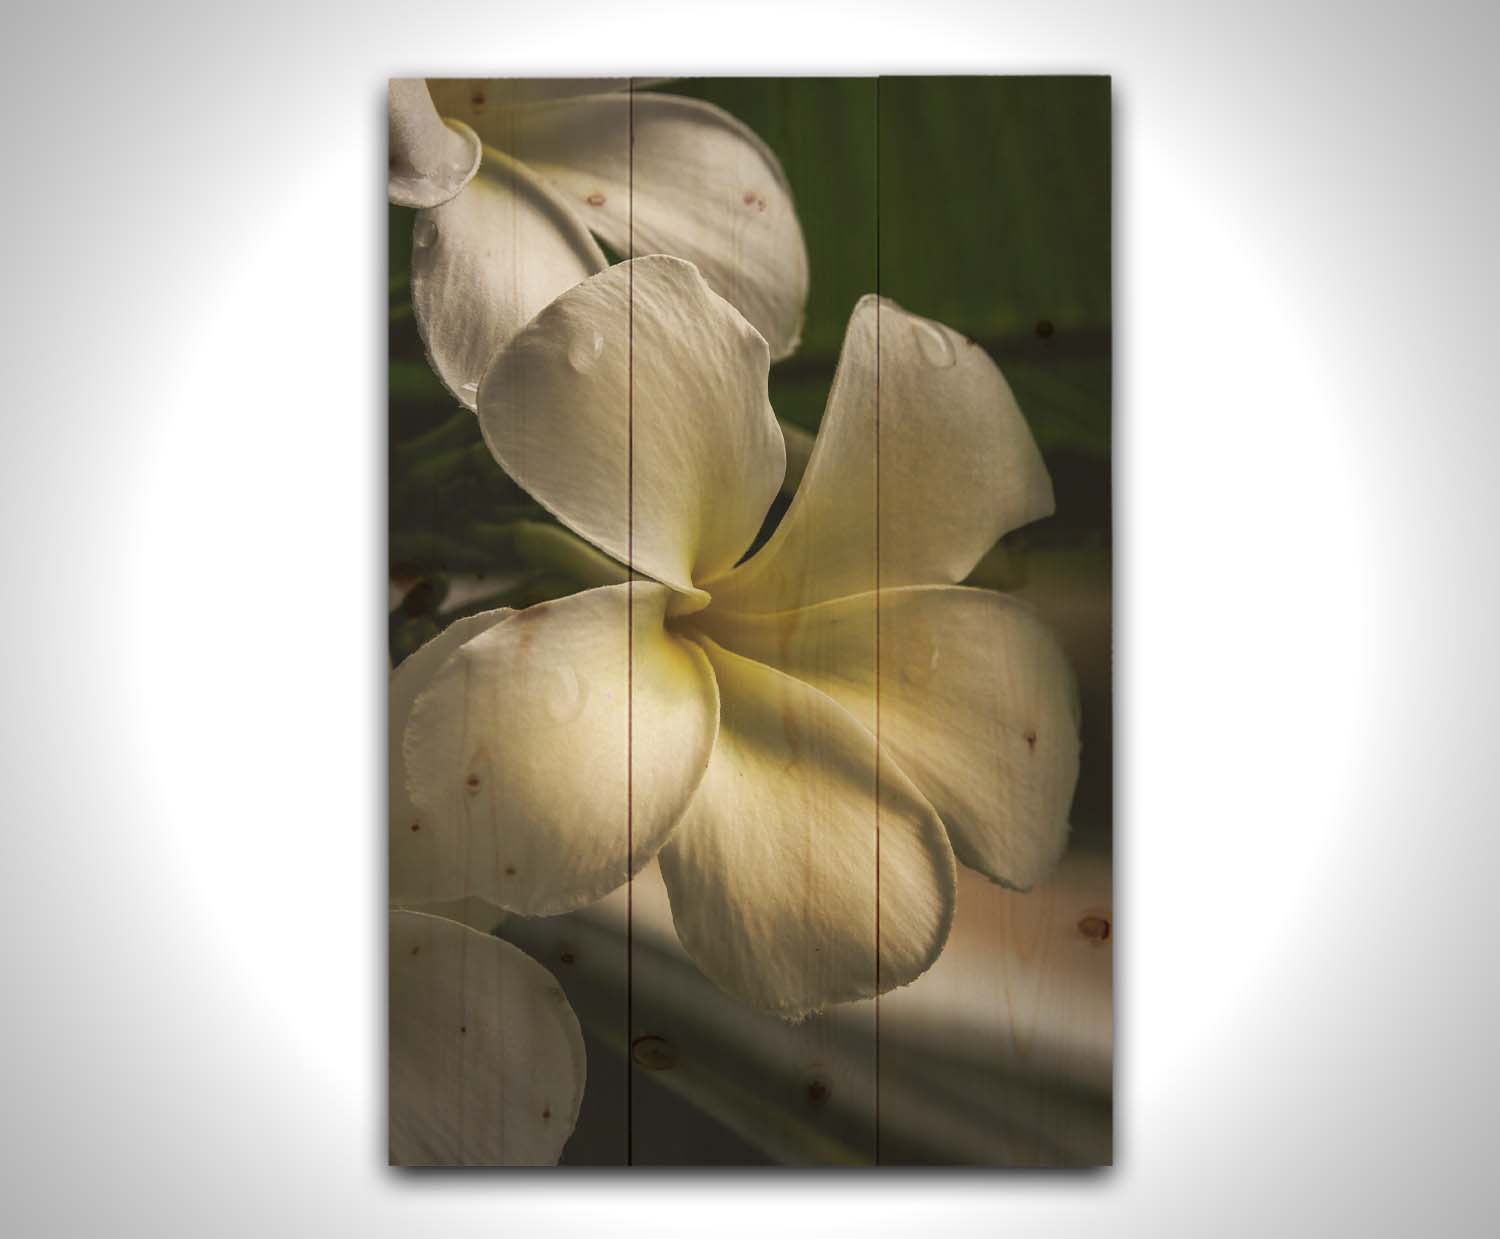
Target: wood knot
1095 927
653 1053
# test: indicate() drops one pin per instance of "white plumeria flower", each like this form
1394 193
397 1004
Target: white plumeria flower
487 1059
723 714
513 183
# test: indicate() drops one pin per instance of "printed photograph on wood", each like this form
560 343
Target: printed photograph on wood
750 753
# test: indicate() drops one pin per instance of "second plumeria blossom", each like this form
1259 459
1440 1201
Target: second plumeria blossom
513 179
805 738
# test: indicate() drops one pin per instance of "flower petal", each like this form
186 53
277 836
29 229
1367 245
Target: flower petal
957 469
484 97
484 262
694 183
634 408
430 159
487 1059
976 703
418 843
775 871
555 752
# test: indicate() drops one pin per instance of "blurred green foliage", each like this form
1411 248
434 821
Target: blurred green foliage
981 202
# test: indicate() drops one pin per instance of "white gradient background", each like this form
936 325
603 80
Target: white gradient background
192 506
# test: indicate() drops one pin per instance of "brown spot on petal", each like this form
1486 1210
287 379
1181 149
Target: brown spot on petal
472 782
1031 739
753 199
595 199
1095 927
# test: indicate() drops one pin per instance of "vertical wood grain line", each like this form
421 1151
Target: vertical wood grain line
878 316
630 656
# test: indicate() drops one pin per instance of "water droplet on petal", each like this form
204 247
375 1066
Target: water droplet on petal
935 344
424 233
918 670
585 352
567 695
